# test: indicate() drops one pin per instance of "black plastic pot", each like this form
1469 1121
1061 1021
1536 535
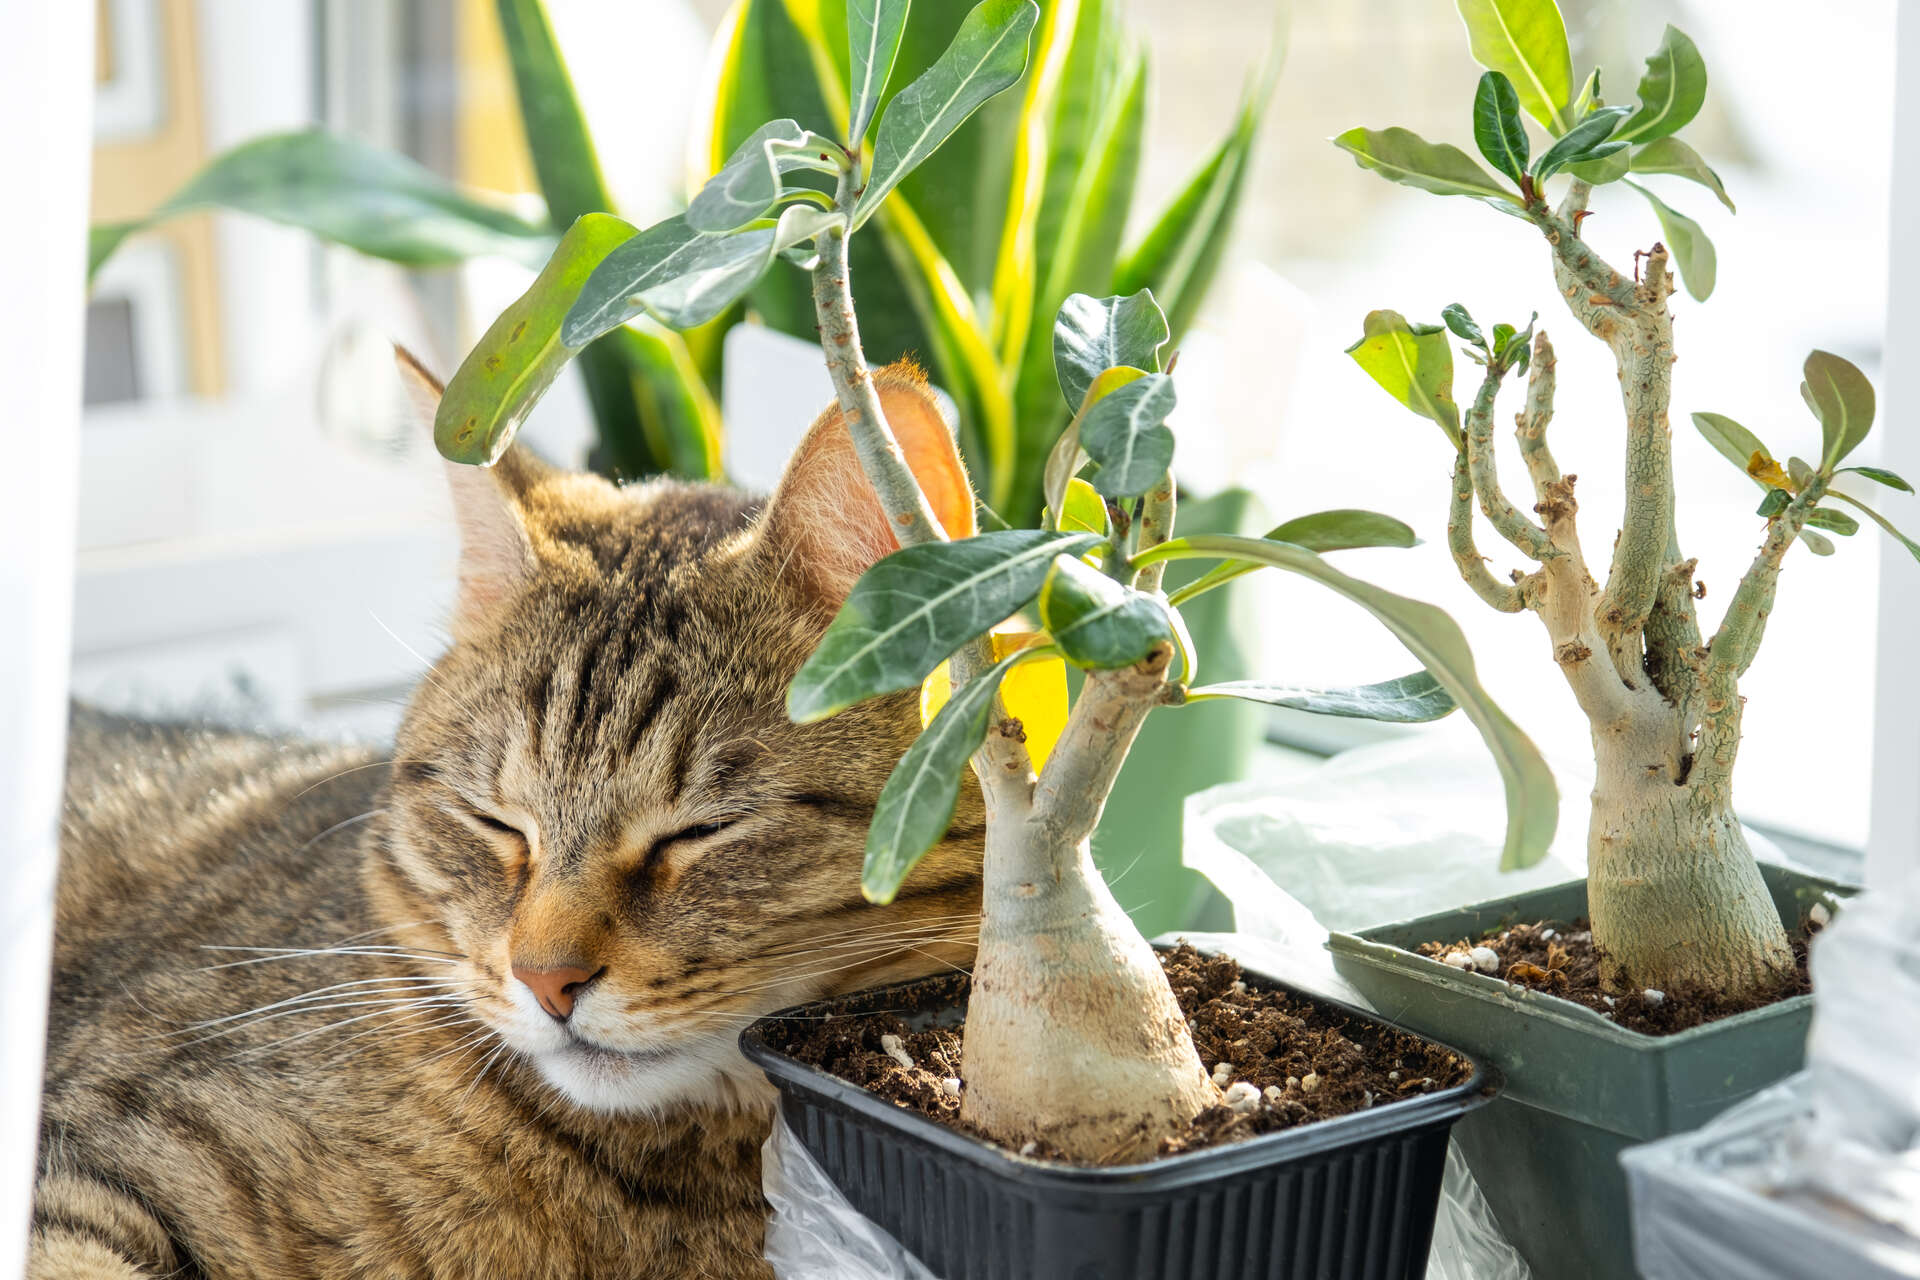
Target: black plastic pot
1346 1199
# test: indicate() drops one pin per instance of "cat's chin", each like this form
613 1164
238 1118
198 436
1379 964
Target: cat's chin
612 1082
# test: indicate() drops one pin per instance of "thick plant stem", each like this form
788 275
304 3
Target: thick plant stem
1073 1038
1676 898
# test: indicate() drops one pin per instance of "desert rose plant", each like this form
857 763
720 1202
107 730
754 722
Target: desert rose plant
1676 898
1073 1036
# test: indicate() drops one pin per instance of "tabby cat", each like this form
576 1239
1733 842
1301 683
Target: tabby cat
470 1011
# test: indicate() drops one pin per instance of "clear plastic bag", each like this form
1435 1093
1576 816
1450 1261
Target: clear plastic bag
1819 1176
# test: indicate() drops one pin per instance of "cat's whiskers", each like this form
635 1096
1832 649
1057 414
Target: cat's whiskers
387 1036
396 984
398 1007
264 955
874 953
848 937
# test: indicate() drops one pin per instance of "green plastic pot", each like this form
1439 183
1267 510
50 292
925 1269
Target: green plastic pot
1580 1089
1186 749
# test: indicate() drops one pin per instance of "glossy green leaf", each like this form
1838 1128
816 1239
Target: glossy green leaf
1879 475
873 40
1067 457
1672 89
1912 547
1815 543
1497 127
1126 434
1093 335
1083 510
1181 251
1343 529
375 202
1842 399
558 141
1614 161
988 55
1402 156
1589 96
747 185
916 806
1671 155
1436 640
1774 503
1586 141
1526 41
1833 521
911 611
1098 623
1411 699
1730 440
1692 251
1413 364
522 352
1462 324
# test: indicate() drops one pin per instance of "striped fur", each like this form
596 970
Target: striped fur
598 772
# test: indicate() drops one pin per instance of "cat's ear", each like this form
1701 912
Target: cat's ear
489 505
825 521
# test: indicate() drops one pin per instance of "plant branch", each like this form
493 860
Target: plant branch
1506 519
1100 730
1530 425
907 509
1632 319
1738 640
1473 566
1156 526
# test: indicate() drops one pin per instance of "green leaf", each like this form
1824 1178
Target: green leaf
1402 156
1342 529
1799 472
747 185
987 55
1526 41
1815 543
372 201
522 352
873 40
1671 155
1096 622
1833 521
1093 335
684 277
1880 475
1774 503
1083 510
1181 252
1497 128
1912 547
1411 699
1585 141
1672 89
1126 434
1842 399
1464 328
1610 164
914 608
1067 457
916 806
1437 641
1413 364
1589 96
1692 251
1730 440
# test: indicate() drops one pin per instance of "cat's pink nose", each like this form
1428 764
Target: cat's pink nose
556 988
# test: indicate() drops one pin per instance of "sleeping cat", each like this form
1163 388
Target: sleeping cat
470 1011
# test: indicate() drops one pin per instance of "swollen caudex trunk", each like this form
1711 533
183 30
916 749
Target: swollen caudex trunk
1672 888
1073 1038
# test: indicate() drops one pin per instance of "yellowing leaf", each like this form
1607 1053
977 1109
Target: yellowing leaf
1035 694
1769 472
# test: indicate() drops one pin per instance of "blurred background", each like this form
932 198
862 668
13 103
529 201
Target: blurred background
263 534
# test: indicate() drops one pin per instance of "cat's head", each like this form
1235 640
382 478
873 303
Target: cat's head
598 800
